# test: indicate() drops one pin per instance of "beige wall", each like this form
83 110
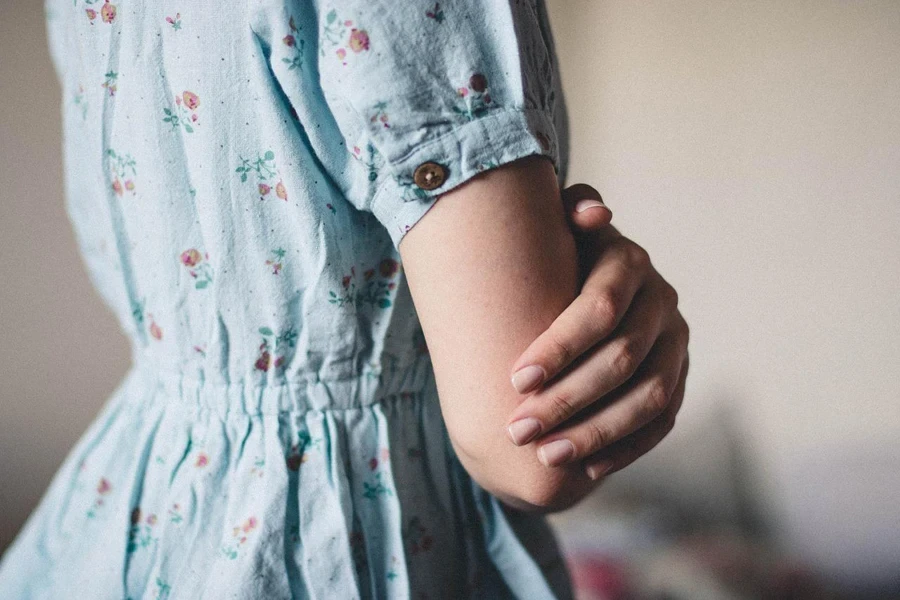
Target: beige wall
752 148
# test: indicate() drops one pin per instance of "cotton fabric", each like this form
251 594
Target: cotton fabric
239 176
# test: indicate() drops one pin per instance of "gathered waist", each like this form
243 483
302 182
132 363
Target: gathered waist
301 393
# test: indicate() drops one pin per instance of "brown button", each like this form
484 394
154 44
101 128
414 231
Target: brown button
429 176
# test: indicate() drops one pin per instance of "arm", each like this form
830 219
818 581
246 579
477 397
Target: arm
490 266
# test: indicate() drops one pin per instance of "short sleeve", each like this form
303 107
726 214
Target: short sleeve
426 95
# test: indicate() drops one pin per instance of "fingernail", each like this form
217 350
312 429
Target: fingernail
556 452
526 378
523 430
597 471
583 205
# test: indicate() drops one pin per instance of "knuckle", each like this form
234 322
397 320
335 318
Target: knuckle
638 257
561 351
657 397
606 309
598 437
561 407
671 295
625 359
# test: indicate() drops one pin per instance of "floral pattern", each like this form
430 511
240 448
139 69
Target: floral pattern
198 266
109 82
239 535
476 98
341 36
295 59
123 170
184 113
370 160
175 21
140 535
275 262
103 489
266 172
436 13
279 344
237 320
374 290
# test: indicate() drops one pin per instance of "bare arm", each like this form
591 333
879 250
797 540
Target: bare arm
490 266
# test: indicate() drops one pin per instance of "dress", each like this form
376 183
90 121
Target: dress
239 176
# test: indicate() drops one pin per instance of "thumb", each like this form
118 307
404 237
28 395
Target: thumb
585 208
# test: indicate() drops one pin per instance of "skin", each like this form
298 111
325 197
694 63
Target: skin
467 262
625 344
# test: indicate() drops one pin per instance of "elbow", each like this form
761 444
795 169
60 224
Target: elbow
547 495
520 481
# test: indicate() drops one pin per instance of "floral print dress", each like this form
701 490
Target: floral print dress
239 175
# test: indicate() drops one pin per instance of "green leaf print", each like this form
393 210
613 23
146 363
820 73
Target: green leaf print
184 114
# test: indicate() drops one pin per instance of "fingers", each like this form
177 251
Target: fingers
630 408
602 371
604 298
627 450
585 207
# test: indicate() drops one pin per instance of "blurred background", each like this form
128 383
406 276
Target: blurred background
753 148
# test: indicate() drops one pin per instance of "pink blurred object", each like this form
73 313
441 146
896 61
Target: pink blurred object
598 576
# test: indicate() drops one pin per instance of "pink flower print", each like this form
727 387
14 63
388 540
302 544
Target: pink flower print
345 282
289 41
359 40
108 12
463 92
388 267
331 208
191 257
385 454
104 486
373 463
264 360
202 460
151 520
264 189
191 100
129 185
155 330
194 117
117 186
91 14
280 191
348 23
341 53
175 21
249 525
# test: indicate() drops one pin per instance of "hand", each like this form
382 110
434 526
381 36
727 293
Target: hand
620 349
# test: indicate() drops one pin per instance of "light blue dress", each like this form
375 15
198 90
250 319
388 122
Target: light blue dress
239 175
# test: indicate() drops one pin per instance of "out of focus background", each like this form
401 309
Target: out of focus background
753 148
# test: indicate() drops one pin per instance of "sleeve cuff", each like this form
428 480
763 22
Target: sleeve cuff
500 137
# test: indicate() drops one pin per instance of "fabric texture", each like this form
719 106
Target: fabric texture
239 176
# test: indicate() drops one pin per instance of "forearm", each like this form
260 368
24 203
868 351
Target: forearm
488 271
